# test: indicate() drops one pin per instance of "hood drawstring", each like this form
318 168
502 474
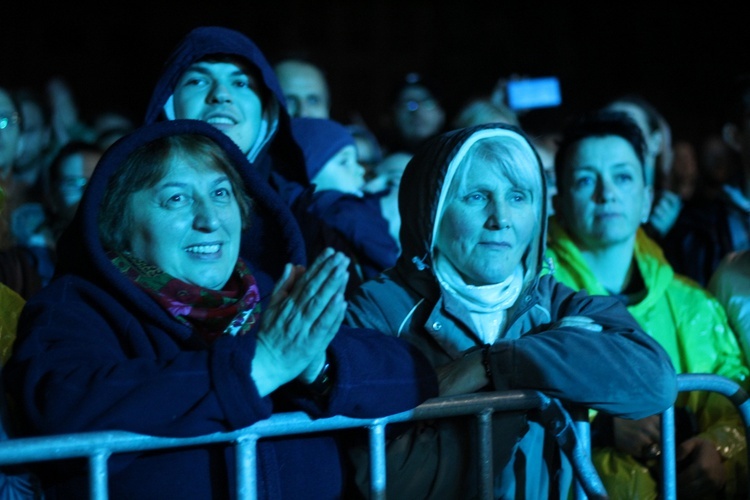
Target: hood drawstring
420 263
549 264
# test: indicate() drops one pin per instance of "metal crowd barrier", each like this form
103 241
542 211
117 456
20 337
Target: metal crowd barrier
697 382
572 435
99 446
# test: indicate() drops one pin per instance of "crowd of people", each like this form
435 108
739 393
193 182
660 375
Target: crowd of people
240 253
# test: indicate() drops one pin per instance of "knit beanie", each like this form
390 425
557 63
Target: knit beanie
320 139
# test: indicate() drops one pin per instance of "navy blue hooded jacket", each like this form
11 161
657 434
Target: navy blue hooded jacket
95 352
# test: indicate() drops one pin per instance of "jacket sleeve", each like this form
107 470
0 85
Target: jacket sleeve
620 370
730 284
366 229
374 375
83 362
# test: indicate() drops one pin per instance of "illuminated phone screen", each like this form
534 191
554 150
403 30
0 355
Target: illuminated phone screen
534 93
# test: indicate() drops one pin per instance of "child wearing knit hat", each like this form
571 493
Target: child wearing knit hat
330 155
331 161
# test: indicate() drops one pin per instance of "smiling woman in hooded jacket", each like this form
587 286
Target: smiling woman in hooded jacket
157 327
467 292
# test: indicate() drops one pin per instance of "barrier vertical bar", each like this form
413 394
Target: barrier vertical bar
98 475
486 476
583 429
743 407
377 462
668 454
246 450
722 385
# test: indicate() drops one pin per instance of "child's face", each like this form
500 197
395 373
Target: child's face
342 172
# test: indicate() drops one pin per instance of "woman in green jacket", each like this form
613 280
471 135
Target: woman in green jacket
595 243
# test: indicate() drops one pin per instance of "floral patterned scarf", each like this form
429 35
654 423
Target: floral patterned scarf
211 313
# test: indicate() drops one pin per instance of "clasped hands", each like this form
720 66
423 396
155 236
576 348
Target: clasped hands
304 314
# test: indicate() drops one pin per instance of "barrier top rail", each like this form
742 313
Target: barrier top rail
77 445
96 444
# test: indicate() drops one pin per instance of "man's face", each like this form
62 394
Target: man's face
418 114
10 131
74 174
304 88
602 196
224 95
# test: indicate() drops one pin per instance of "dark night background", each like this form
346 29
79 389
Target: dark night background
677 56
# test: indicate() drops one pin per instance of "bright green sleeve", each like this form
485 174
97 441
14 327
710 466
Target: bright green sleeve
10 306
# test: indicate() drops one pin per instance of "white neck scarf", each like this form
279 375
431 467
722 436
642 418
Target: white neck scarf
486 304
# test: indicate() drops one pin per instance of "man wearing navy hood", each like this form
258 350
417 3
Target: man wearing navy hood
220 76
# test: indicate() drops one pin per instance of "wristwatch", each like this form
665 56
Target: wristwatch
323 383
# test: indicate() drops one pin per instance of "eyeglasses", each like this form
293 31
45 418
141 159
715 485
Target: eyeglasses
73 183
413 105
11 120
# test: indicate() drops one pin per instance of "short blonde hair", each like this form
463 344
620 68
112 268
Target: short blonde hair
513 158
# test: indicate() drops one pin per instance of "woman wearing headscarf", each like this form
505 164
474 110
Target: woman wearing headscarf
158 327
467 292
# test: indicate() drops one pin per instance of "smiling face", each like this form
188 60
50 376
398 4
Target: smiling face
188 224
488 223
603 197
224 95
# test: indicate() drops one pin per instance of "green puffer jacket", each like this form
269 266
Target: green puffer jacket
692 327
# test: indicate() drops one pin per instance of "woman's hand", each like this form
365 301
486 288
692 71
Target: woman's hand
305 312
639 438
463 375
703 475
665 212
